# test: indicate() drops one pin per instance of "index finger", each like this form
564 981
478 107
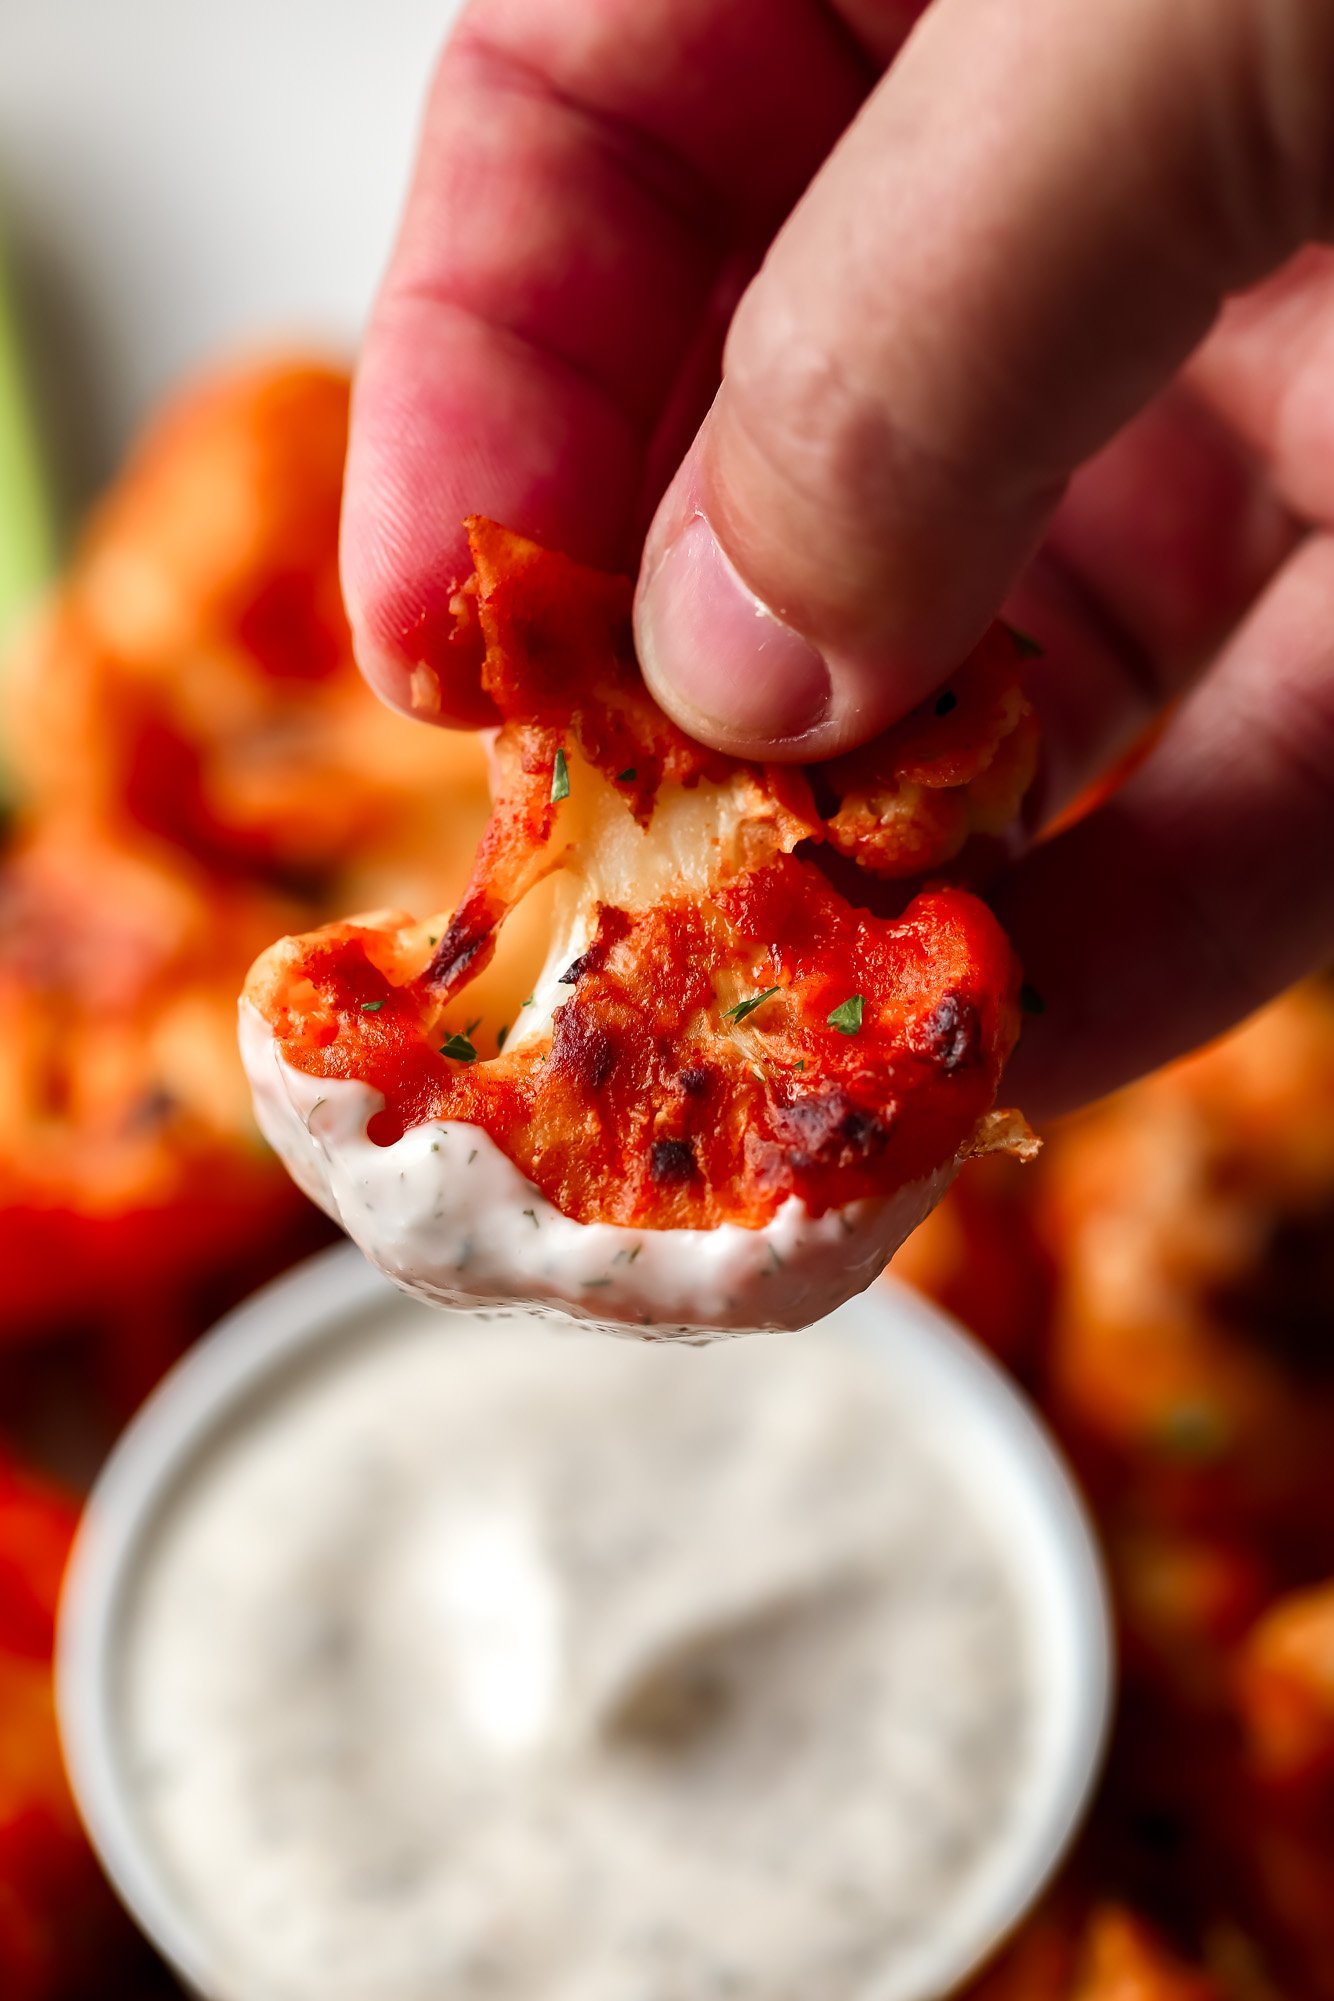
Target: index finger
583 176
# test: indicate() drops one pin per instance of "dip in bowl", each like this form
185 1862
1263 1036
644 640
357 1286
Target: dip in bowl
409 1653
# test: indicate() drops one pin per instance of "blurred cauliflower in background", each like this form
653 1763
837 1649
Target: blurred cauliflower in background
199 764
1164 1283
57 1919
196 765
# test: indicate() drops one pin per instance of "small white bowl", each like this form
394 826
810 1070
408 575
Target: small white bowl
960 1398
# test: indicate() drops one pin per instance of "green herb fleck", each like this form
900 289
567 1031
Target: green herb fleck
800 1063
1028 647
502 1036
560 779
628 776
471 1158
531 1214
1030 1000
1193 1431
946 701
589 1283
459 1047
531 998
745 1007
847 1017
433 938
371 1007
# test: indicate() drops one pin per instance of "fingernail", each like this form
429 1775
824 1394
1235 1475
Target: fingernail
716 658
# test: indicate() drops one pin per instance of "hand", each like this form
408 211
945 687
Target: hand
986 358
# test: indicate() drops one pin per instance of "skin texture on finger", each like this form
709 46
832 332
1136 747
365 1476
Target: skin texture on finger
1160 545
1205 885
1170 532
1094 689
1024 233
1267 370
584 174
1175 529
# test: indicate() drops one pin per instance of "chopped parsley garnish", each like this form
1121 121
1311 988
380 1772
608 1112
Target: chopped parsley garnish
800 1063
628 776
432 938
502 1036
1193 1431
371 1007
476 1022
847 1017
531 998
459 1047
1029 648
946 701
560 779
745 1007
1030 1000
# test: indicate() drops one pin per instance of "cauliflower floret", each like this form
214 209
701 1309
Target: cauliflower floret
129 1166
192 676
725 1070
945 780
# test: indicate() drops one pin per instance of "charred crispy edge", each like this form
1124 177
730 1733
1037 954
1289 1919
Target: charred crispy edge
1002 1130
467 946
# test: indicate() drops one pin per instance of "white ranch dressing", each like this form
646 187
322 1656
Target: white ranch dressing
485 1662
446 1214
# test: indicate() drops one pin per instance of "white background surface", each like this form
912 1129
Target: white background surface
181 179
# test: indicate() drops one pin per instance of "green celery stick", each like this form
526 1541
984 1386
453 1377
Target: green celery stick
27 525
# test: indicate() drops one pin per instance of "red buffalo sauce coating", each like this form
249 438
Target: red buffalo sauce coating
647 1099
948 778
55 1914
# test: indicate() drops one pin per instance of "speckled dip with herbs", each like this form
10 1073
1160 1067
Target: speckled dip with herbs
506 1664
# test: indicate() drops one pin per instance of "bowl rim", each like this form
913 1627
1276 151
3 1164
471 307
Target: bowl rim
270 1333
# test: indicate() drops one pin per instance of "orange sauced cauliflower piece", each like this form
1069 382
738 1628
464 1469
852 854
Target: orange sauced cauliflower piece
1107 1954
128 1156
717 1031
1191 1217
56 1918
949 777
1286 1687
191 677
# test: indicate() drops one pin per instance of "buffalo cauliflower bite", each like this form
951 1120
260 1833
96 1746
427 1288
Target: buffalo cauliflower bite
130 1170
57 1920
731 1091
191 676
